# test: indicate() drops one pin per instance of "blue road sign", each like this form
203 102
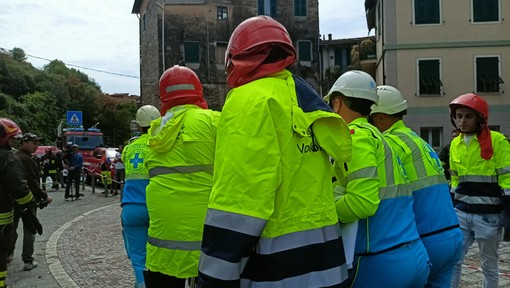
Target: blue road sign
74 118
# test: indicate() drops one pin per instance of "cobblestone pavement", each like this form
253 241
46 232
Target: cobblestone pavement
82 246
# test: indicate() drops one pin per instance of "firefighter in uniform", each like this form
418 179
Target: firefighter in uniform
435 217
180 164
480 171
134 216
271 220
49 162
375 192
13 191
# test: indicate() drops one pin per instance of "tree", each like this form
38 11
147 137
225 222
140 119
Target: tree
18 54
42 114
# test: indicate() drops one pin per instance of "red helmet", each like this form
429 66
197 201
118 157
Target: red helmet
255 32
8 129
179 82
473 101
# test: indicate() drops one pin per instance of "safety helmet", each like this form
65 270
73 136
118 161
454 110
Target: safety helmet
8 129
146 114
253 32
391 101
179 82
355 84
473 101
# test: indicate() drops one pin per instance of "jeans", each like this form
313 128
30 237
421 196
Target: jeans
486 230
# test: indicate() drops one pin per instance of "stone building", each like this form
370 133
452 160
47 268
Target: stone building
436 50
195 33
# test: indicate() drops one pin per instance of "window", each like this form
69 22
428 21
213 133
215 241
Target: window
343 57
191 52
487 74
267 7
222 12
427 12
300 8
221 48
485 10
429 76
433 136
305 50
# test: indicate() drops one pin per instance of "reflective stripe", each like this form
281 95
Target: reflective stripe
427 181
136 176
419 166
179 87
25 200
221 269
6 218
326 278
394 191
504 170
478 199
180 170
367 172
235 222
479 178
506 191
175 245
298 239
388 165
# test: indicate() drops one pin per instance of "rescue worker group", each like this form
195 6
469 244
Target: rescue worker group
285 188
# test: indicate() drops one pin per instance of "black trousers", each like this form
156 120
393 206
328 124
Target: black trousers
160 280
73 176
5 245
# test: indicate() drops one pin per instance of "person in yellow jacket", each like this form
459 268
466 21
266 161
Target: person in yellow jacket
374 191
14 190
134 217
180 164
271 219
435 217
480 180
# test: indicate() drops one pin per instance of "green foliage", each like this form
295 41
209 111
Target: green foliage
37 100
19 55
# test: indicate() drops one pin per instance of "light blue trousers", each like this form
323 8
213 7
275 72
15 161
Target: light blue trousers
486 230
444 250
135 225
404 267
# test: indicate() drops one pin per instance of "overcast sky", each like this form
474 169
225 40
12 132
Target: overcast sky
103 34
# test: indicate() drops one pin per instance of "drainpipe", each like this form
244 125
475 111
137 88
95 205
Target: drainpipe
162 6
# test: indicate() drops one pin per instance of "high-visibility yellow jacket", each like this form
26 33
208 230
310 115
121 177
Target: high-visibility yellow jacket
180 163
375 192
271 216
432 206
137 176
480 186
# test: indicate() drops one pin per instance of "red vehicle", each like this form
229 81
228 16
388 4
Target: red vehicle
88 142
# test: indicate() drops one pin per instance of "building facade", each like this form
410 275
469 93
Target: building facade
195 33
436 50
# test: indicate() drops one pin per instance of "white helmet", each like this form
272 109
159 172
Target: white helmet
355 84
146 114
391 101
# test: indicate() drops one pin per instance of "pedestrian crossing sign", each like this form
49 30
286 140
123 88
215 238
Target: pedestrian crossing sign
74 118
